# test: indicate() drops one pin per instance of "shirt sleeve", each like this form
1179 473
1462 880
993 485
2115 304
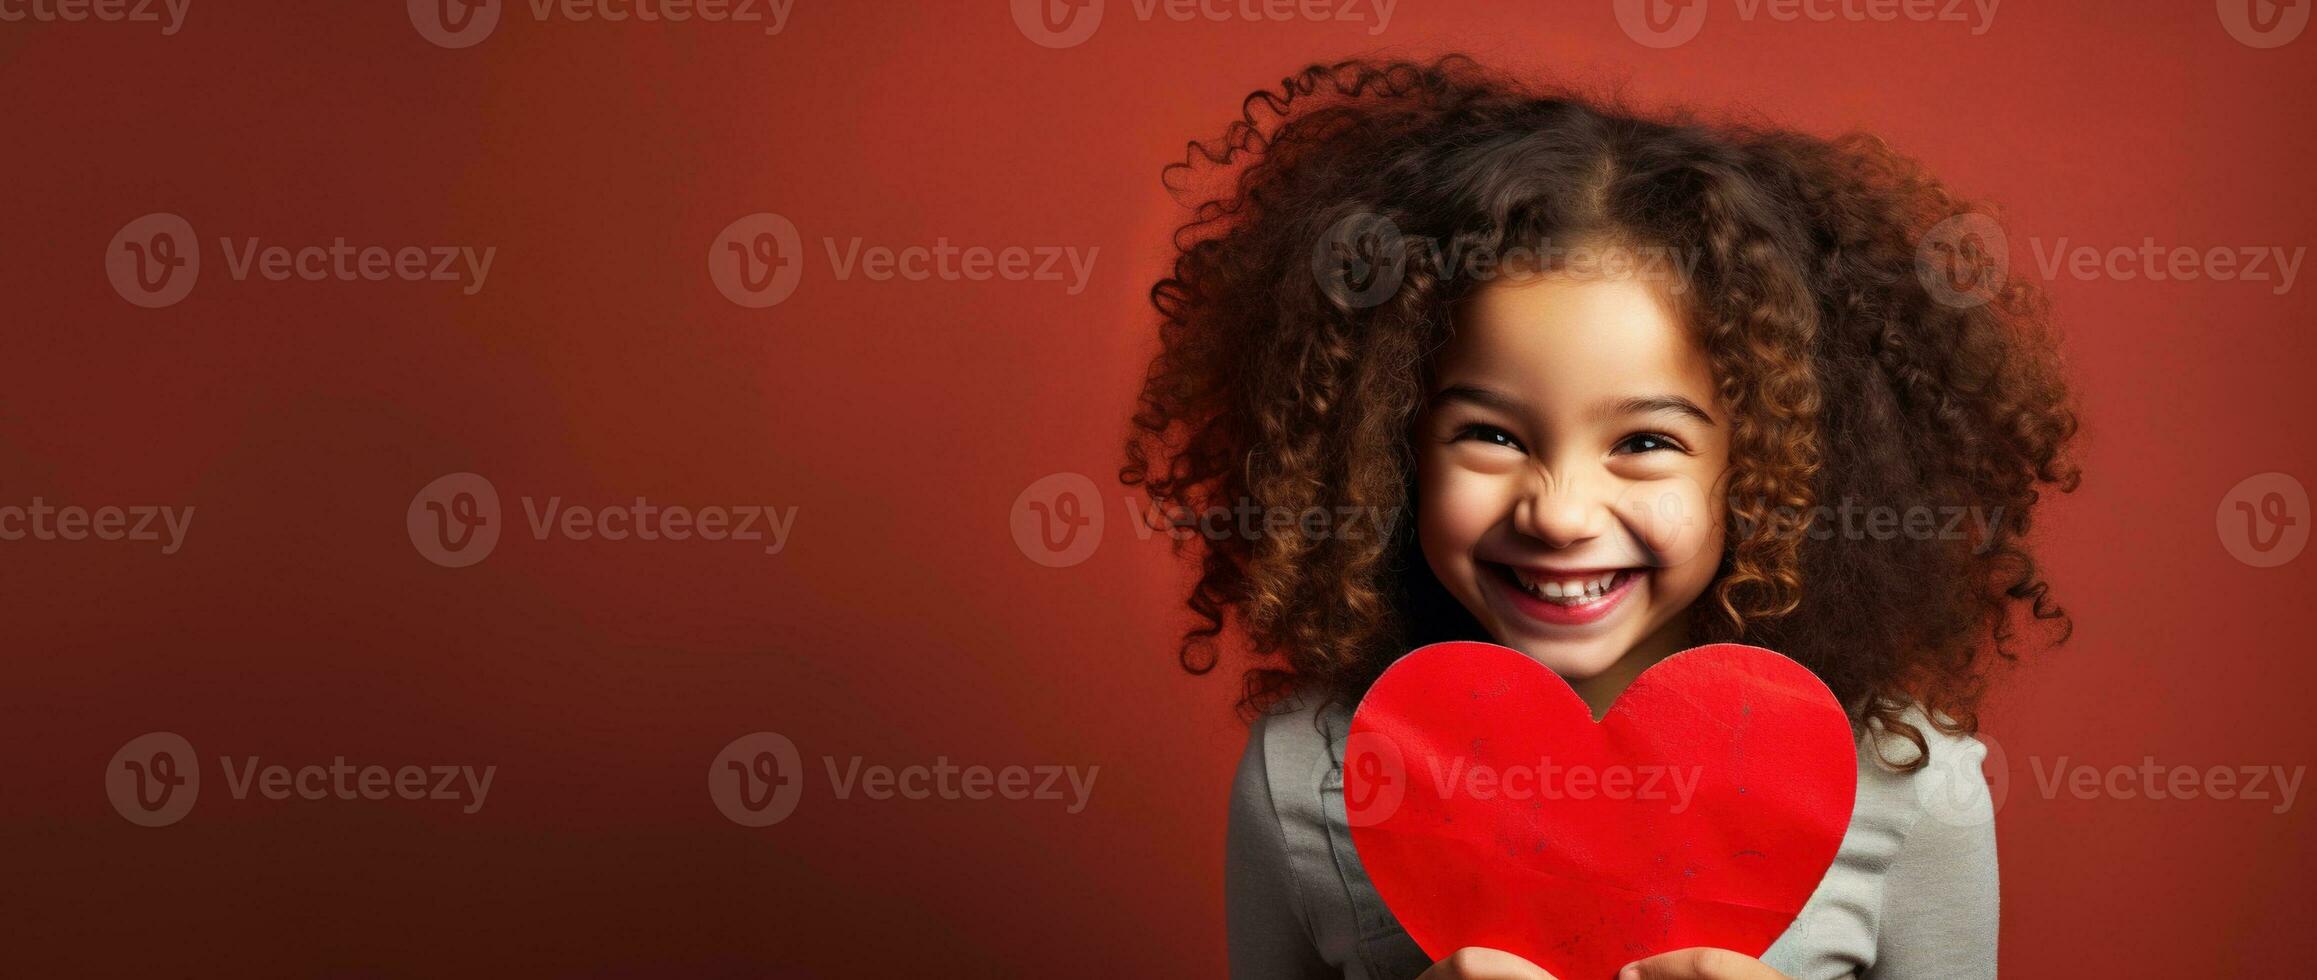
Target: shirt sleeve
1268 935
1940 897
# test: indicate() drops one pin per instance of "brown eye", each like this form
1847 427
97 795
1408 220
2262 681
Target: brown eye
1643 442
1489 434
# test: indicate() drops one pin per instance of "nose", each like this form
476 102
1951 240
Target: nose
1562 510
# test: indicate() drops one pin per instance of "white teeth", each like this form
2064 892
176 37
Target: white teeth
1568 592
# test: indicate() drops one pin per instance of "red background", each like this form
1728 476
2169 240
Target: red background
902 419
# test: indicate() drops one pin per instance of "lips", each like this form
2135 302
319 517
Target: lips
1565 598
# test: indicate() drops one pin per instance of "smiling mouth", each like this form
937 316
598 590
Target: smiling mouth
1562 589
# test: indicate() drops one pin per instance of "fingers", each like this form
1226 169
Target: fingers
1699 963
1475 963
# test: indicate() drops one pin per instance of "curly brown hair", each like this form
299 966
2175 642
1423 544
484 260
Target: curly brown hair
1848 375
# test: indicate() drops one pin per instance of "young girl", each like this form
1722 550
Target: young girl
1621 385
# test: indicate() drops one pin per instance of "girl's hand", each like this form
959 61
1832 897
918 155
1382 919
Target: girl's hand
1475 963
1700 963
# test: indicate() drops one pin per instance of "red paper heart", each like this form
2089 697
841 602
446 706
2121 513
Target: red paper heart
1467 852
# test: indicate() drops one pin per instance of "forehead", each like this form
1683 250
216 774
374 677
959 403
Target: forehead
1575 337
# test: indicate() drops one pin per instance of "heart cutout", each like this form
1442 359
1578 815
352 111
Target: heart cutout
1490 809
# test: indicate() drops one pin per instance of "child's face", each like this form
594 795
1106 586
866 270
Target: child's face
1566 462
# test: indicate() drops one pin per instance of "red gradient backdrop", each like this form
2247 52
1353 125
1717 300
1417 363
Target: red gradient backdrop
902 419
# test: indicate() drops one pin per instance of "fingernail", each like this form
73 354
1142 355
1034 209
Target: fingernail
1632 971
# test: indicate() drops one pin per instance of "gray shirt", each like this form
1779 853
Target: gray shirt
1911 893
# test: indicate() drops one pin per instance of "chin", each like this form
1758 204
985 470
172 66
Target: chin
1575 661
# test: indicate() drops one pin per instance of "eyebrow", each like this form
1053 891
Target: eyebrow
1652 404
1638 405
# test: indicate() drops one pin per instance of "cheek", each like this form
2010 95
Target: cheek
1454 510
1674 518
